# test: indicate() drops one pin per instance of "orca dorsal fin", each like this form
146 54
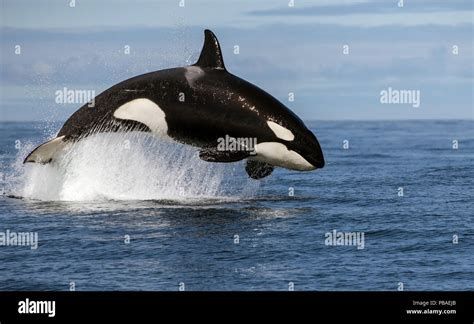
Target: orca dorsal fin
211 55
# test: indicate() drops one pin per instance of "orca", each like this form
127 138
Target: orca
198 105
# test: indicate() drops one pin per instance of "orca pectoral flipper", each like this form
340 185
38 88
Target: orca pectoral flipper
212 154
45 152
257 169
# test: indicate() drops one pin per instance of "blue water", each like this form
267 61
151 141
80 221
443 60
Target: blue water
191 239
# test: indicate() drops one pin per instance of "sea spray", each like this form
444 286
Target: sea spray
128 166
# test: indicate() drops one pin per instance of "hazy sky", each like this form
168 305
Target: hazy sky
425 46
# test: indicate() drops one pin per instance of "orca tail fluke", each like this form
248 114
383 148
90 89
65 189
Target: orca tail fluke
45 152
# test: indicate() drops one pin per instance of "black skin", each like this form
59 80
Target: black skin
216 104
215 98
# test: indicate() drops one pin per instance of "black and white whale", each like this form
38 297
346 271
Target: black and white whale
198 105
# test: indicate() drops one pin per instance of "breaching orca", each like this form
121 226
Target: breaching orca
201 105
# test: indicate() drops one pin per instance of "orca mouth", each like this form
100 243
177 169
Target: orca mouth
315 157
316 160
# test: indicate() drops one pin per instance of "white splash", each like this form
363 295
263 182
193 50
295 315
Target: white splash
128 166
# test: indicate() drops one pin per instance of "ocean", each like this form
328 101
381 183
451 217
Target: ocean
127 212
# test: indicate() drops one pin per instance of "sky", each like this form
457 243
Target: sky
335 56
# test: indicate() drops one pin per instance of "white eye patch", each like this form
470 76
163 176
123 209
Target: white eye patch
280 131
